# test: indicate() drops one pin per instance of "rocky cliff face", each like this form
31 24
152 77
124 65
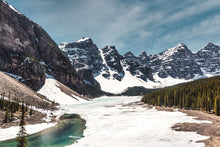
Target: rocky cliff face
179 62
112 63
28 51
138 66
208 58
86 59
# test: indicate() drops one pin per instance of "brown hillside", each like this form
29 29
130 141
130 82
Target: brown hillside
22 92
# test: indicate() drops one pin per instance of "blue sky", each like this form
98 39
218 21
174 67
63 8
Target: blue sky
130 25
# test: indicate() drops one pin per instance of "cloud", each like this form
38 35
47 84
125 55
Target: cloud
129 25
206 31
197 8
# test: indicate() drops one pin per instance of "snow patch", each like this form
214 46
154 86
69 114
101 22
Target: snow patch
11 7
43 63
51 90
83 39
62 45
10 133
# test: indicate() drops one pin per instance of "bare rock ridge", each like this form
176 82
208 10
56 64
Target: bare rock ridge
28 51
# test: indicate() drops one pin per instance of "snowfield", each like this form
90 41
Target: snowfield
132 81
52 91
112 123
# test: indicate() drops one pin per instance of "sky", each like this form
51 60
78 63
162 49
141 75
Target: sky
130 25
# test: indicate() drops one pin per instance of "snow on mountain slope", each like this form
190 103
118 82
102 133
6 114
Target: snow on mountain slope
57 92
114 86
83 39
172 51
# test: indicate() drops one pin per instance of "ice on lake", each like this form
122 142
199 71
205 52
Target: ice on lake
111 122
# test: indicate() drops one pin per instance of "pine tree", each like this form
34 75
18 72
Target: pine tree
31 111
6 116
158 101
21 136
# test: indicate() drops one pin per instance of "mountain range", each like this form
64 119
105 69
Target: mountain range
106 69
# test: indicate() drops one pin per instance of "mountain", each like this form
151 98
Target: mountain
177 62
26 50
85 58
209 59
107 67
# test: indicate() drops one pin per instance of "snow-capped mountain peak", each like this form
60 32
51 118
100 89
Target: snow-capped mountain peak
107 67
180 48
209 59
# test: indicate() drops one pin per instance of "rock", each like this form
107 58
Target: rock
138 66
209 59
112 60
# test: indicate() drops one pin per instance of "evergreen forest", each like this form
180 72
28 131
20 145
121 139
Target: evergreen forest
202 94
10 107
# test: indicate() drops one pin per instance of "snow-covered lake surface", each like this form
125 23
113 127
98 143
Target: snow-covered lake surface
110 122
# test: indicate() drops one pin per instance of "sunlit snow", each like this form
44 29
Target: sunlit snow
132 81
51 90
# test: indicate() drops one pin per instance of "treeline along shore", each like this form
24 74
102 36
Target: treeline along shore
202 94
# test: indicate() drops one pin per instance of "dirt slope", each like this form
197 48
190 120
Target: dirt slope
22 92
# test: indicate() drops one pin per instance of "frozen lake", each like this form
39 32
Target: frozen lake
112 122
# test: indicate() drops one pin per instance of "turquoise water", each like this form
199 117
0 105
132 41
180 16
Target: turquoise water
65 133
